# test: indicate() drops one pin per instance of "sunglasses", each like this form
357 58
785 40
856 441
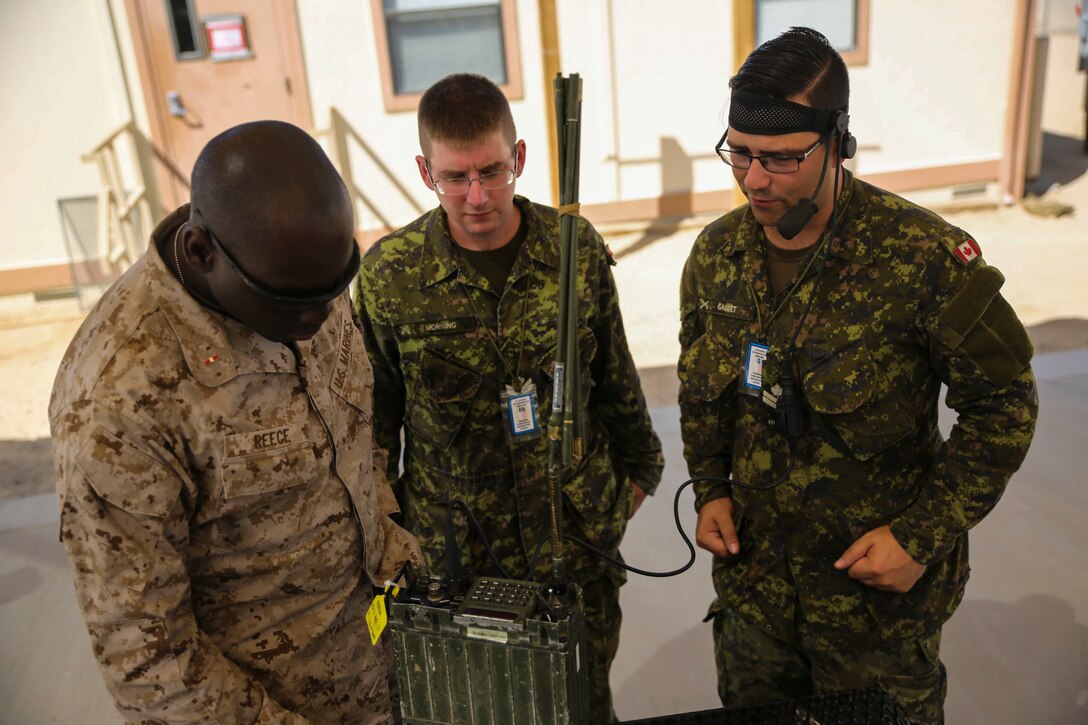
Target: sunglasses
292 301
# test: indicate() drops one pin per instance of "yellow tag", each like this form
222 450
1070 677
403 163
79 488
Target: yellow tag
376 618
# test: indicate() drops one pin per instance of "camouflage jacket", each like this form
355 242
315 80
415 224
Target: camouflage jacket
901 304
429 318
223 508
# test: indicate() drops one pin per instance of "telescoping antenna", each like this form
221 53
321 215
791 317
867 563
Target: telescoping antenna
565 423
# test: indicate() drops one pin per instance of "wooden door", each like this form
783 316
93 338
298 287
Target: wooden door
207 65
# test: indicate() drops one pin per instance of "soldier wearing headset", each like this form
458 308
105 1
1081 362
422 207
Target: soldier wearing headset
819 322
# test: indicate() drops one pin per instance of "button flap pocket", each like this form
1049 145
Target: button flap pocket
265 461
437 410
706 369
446 379
587 351
850 391
127 477
840 381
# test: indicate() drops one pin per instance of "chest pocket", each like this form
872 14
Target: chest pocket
266 461
847 388
586 353
442 399
265 478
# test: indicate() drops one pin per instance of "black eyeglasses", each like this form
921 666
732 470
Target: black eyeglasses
288 301
459 185
774 163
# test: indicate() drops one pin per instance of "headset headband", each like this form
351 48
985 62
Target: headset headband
766 116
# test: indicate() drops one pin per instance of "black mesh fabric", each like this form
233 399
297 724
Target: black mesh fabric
765 116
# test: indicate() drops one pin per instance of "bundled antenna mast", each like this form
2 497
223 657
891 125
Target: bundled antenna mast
565 424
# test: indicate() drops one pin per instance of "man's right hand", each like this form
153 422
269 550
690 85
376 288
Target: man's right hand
715 530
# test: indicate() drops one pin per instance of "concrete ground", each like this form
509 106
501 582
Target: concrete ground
1016 651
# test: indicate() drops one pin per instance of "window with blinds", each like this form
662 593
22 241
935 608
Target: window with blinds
844 22
422 41
429 39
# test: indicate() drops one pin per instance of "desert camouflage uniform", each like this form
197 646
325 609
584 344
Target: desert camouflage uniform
903 304
427 317
224 509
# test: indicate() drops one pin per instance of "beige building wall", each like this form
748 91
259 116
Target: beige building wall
338 38
934 92
929 105
63 93
655 77
657 93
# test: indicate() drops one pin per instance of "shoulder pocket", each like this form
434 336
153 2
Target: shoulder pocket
849 391
706 369
126 477
121 549
984 327
444 395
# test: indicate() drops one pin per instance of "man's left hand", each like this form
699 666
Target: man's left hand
877 560
638 498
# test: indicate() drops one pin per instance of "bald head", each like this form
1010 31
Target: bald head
253 176
269 241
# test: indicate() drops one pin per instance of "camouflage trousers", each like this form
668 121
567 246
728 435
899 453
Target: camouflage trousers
601 598
754 666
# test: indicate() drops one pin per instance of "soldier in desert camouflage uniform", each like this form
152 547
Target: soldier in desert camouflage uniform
222 502
842 574
459 305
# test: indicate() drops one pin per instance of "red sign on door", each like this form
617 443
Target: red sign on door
227 37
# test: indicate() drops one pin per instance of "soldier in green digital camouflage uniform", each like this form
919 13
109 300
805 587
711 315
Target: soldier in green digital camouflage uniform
818 324
459 313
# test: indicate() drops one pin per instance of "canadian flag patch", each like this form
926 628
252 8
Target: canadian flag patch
968 251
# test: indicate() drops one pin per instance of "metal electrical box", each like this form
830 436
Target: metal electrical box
491 657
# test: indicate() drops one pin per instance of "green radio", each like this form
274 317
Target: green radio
499 655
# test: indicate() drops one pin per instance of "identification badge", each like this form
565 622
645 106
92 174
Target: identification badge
377 617
519 411
754 355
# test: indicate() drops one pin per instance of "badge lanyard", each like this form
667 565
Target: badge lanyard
517 399
755 352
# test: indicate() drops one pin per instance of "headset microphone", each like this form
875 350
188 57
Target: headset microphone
798 215
754 113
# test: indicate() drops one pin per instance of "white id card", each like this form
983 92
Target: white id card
519 411
753 366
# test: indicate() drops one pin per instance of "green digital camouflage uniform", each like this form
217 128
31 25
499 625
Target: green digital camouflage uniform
224 509
428 317
903 304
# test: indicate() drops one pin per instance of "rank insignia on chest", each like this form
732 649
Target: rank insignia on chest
771 395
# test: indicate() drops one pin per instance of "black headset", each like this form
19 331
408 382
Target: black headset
797 216
848 145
